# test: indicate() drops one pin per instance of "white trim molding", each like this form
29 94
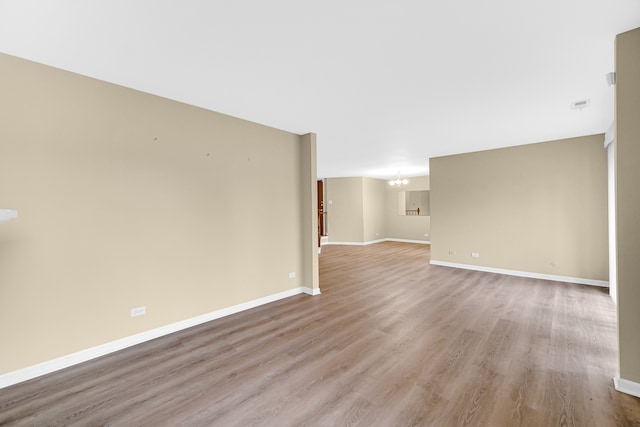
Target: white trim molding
346 243
310 291
567 279
626 386
69 360
422 242
371 242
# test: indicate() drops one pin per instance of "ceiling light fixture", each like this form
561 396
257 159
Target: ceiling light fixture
398 182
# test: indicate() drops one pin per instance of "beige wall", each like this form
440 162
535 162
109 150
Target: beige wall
538 208
366 209
627 151
402 226
126 199
309 192
344 205
374 209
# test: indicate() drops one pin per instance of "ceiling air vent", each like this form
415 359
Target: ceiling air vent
579 105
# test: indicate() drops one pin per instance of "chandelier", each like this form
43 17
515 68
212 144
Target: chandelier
398 182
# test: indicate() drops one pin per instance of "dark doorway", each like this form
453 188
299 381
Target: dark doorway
322 215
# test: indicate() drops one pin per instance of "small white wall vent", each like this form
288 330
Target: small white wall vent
579 105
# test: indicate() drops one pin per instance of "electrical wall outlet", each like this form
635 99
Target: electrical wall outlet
475 254
138 311
292 275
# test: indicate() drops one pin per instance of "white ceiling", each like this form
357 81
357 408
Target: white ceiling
385 85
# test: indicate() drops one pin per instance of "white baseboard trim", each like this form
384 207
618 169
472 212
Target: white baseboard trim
49 366
422 242
346 243
626 386
567 279
371 242
310 291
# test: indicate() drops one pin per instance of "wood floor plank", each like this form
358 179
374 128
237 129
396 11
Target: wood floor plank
391 341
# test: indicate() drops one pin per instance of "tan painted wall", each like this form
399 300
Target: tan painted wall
374 209
538 208
407 227
627 160
345 209
309 192
366 209
127 199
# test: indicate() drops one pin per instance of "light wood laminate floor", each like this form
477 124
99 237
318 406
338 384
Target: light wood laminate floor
391 341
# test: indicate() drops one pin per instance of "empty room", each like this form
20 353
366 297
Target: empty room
340 213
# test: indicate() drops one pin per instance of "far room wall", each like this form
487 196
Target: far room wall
363 210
